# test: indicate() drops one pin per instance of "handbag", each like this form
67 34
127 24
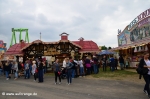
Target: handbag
88 65
59 72
36 71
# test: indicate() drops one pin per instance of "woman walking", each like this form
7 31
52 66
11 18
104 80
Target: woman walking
145 63
69 66
56 68
34 70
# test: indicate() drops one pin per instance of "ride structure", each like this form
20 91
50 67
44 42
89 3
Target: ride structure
13 39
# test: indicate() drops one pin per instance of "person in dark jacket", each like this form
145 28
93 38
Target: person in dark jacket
74 69
112 63
104 63
95 64
40 71
7 70
56 68
88 65
145 63
116 63
121 61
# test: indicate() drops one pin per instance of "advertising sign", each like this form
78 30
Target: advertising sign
140 17
142 31
124 38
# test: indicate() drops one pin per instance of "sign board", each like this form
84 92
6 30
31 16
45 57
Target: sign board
51 51
124 38
140 17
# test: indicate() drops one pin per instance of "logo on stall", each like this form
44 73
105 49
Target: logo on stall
51 51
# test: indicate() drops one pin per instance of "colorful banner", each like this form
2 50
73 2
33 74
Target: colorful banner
140 32
124 38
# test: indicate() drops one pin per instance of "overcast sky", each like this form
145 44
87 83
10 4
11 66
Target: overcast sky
97 20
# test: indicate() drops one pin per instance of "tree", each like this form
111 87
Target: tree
104 48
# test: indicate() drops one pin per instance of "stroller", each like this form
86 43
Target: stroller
63 73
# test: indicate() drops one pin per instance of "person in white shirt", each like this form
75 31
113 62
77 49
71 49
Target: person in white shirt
64 63
145 63
81 68
34 70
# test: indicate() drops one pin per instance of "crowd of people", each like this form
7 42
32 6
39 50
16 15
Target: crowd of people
70 68
18 69
80 67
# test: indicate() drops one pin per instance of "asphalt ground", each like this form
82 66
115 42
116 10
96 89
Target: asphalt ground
81 88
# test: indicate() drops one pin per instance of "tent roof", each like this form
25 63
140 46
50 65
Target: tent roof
87 46
16 49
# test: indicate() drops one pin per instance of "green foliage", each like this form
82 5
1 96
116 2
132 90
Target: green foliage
104 48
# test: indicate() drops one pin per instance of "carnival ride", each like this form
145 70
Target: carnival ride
20 35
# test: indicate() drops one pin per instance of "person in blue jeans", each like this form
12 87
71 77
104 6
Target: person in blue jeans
16 70
27 71
69 66
95 64
81 68
73 68
56 68
7 69
112 61
121 62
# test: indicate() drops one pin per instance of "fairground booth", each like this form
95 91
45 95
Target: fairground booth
52 50
134 40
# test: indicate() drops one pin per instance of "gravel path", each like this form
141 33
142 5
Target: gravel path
81 88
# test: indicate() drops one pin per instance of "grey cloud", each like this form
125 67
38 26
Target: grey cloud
96 20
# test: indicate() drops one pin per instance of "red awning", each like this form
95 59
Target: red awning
16 49
87 46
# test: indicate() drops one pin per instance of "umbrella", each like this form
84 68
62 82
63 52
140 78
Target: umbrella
106 52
